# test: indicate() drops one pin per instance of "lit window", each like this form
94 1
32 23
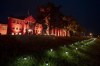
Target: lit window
16 33
20 33
12 34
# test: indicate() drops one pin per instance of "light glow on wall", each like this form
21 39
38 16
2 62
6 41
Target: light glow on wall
23 27
12 34
20 33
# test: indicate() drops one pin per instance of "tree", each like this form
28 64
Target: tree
52 13
50 16
72 25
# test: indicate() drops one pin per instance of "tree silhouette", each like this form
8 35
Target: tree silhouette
52 13
50 16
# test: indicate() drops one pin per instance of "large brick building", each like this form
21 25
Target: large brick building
20 27
29 26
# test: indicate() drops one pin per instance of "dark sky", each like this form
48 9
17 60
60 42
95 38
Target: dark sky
87 12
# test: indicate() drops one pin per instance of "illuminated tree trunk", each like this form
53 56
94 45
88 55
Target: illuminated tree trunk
47 24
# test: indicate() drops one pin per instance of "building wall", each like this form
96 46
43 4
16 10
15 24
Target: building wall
3 29
27 28
15 26
20 27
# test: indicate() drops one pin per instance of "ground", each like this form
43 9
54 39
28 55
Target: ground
49 51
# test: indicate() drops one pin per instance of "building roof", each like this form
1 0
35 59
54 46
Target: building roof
30 19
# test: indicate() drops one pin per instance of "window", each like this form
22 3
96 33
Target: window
20 33
16 33
12 34
18 23
16 28
4 28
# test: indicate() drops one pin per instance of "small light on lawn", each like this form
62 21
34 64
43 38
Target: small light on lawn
25 58
66 52
47 64
51 50
76 48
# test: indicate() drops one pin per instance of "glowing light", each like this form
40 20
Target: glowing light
29 30
51 53
25 58
12 34
16 33
20 33
76 48
24 61
51 50
66 52
47 64
91 34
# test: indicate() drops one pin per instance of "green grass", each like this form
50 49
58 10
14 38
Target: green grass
50 52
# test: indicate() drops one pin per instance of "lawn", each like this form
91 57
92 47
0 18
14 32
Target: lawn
48 51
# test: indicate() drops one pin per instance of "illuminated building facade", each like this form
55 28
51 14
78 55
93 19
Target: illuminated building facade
3 29
29 26
15 26
20 27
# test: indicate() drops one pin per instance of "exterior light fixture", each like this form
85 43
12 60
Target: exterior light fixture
47 64
25 58
66 52
76 48
51 50
29 30
90 34
20 33
16 33
12 34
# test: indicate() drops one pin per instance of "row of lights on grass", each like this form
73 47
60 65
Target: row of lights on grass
65 49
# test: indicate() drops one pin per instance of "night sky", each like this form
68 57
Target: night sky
87 12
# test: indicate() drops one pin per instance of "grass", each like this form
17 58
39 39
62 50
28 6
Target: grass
48 51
